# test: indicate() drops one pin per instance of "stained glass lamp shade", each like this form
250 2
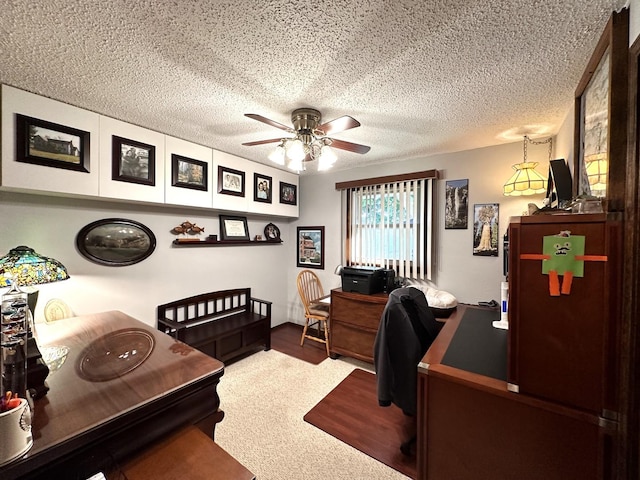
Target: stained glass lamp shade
525 181
597 168
23 266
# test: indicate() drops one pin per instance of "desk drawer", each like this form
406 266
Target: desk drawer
356 312
352 341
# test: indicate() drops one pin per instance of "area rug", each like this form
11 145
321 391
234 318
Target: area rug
350 412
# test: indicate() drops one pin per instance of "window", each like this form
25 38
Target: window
389 223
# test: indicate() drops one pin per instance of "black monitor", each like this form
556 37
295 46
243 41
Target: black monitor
560 185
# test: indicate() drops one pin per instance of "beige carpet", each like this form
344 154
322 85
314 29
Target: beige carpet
265 397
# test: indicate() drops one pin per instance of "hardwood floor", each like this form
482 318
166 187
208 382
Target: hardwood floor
285 338
351 413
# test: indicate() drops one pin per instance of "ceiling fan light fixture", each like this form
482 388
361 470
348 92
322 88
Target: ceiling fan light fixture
277 156
310 141
295 150
327 158
296 165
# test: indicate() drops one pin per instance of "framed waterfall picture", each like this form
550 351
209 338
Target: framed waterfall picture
456 209
485 229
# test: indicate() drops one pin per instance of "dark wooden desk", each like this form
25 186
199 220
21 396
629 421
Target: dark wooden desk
81 427
471 427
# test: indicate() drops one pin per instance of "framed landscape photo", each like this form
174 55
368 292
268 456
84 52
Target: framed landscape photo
115 242
310 247
188 173
133 161
230 181
233 228
51 145
456 210
485 229
262 188
288 193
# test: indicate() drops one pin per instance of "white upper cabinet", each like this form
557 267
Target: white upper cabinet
48 146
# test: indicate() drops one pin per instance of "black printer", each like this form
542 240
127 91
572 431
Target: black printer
365 280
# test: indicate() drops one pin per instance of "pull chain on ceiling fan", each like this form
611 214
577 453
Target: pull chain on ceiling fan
310 141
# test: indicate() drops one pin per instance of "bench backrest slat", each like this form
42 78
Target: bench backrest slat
206 306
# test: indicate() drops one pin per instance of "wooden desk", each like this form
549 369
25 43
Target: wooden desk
81 427
471 427
354 322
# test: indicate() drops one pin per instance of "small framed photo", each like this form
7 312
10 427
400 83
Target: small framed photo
311 247
233 228
288 193
456 210
51 145
272 232
262 188
188 173
230 182
133 162
485 229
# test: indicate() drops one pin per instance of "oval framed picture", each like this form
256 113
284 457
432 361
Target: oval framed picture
115 242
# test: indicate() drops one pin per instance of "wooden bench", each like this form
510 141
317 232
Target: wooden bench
224 324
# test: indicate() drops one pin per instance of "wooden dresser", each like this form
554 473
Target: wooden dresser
354 323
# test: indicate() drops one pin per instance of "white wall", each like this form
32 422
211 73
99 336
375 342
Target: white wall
50 224
470 278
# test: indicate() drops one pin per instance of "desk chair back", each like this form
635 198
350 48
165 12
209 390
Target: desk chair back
310 291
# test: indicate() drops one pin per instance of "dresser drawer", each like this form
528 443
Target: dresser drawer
357 312
352 341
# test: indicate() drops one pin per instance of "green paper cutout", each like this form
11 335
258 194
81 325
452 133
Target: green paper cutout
562 251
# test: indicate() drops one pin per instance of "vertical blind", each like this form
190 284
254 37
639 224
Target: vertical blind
390 225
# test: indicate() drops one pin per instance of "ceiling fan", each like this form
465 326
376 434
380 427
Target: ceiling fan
310 141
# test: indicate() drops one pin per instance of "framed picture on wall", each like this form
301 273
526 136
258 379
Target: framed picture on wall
133 161
456 210
188 173
51 145
310 247
230 181
115 242
262 188
485 229
233 228
288 193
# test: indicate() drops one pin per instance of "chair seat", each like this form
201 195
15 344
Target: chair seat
320 310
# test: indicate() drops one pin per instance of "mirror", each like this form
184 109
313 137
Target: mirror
600 136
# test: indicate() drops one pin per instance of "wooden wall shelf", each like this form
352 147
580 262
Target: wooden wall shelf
224 243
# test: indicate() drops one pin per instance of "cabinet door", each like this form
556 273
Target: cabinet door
561 348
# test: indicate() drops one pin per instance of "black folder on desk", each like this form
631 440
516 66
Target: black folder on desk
477 346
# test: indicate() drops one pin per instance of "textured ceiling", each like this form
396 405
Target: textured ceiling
422 77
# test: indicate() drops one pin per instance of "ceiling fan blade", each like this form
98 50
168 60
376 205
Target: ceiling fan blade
262 119
262 142
339 125
348 146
